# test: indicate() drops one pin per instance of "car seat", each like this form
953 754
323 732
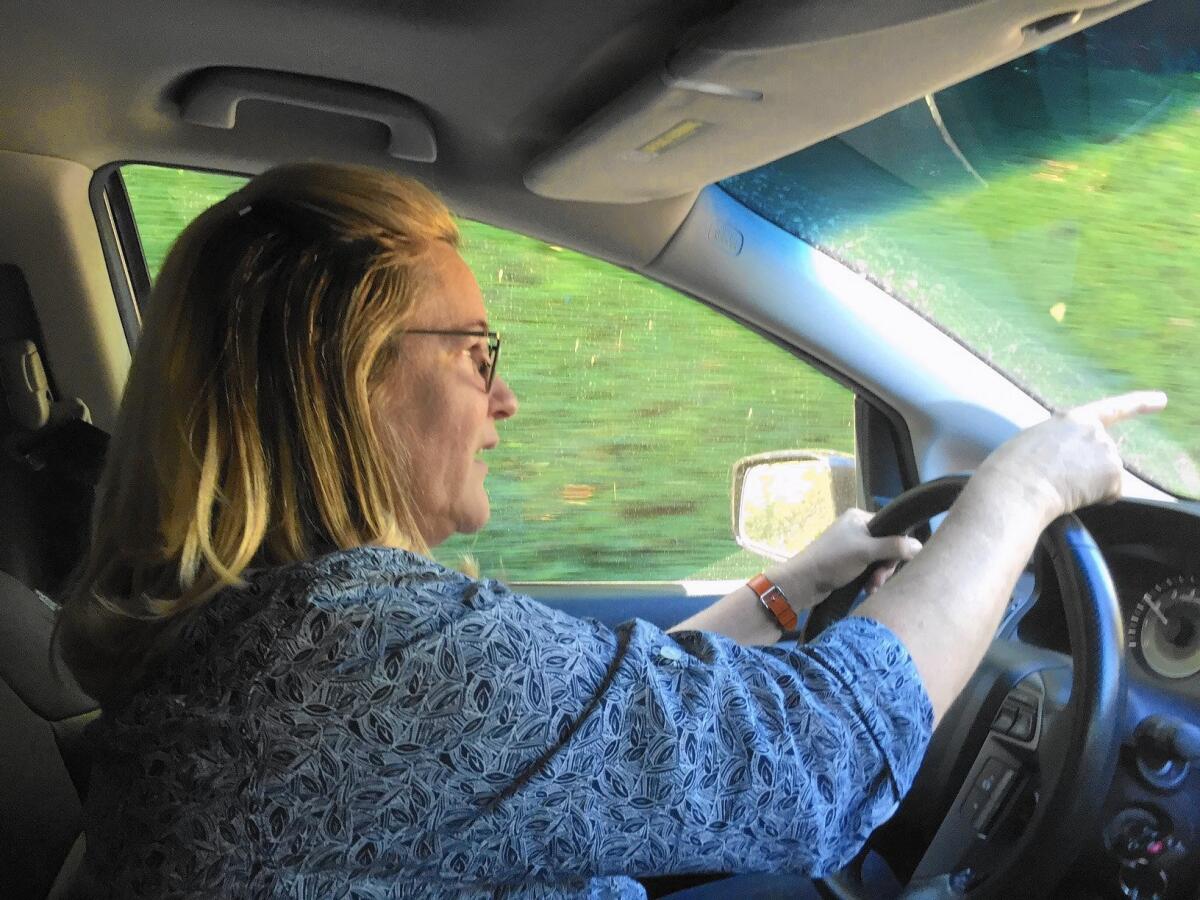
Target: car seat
43 754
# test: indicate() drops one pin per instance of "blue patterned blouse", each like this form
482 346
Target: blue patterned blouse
371 724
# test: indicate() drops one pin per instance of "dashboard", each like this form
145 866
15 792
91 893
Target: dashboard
1147 842
1153 553
1160 605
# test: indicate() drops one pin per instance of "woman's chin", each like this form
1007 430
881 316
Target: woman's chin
474 519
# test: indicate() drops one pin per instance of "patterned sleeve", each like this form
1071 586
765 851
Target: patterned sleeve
545 747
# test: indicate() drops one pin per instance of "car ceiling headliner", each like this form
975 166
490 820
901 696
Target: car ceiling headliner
500 81
504 83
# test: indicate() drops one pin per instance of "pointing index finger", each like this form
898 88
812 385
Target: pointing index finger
1124 406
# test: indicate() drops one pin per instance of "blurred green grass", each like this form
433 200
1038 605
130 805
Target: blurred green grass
1071 263
1079 273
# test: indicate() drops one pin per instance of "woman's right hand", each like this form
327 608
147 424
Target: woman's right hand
1070 460
946 604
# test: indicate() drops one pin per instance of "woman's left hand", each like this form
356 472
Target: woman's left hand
836 557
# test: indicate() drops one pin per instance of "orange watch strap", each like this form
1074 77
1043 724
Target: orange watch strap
773 601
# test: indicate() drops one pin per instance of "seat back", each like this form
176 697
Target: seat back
44 763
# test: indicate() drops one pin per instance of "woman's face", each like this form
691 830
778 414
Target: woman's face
438 405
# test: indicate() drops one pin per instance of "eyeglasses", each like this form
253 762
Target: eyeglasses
493 346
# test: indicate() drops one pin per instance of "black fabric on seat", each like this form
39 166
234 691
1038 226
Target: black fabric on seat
43 756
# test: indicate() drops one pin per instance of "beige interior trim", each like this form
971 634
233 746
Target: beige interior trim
772 78
48 230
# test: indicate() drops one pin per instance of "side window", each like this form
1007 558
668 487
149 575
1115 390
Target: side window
165 200
635 404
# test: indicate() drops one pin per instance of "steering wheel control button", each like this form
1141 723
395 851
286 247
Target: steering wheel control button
1024 727
973 806
988 793
992 770
1017 717
983 819
1004 720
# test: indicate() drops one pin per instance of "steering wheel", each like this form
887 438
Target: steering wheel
1036 732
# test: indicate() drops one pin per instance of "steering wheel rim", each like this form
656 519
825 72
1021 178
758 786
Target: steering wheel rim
1053 838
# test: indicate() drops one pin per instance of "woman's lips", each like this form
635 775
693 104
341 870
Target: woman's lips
479 454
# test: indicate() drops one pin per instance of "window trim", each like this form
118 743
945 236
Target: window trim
121 246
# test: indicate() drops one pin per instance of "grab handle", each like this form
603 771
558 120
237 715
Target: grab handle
212 99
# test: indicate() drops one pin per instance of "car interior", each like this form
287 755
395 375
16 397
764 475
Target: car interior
1068 767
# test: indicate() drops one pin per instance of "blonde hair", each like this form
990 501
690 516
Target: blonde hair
246 434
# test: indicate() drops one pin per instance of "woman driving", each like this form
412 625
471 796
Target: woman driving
299 702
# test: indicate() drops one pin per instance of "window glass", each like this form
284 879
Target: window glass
165 200
635 403
1045 212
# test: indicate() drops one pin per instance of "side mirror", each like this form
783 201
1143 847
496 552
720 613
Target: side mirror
784 499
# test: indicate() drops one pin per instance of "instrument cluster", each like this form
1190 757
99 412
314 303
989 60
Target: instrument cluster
1162 630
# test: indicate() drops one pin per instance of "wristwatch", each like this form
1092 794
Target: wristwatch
774 602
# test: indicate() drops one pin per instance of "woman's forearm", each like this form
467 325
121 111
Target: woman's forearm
741 616
834 558
946 605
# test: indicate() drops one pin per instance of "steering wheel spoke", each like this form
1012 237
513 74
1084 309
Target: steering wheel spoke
1000 793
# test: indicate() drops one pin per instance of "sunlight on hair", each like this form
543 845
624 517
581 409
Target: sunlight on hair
247 435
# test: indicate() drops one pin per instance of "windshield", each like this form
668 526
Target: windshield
1046 213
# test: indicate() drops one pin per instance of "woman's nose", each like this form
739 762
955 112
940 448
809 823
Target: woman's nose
502 402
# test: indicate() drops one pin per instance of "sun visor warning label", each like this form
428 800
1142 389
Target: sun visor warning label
673 137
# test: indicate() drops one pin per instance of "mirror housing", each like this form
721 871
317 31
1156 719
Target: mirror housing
785 498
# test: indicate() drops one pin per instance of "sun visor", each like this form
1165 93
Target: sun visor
771 77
